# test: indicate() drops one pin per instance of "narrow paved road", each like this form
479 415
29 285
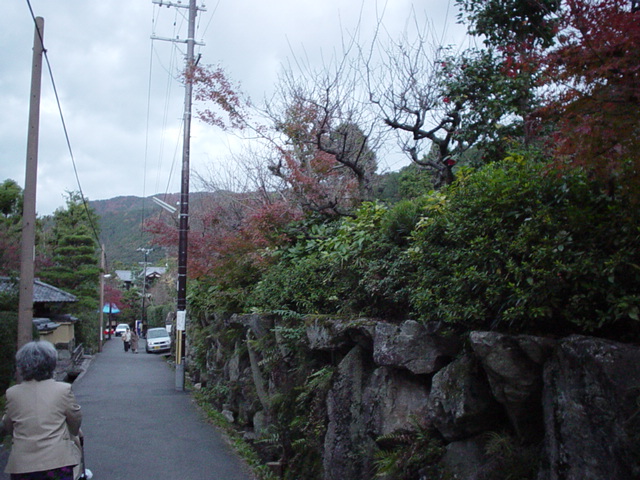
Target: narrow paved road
138 427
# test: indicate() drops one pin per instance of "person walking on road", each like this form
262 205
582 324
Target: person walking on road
126 339
134 341
43 417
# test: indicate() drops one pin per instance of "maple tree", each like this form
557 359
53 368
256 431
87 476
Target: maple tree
232 227
592 78
583 62
328 170
224 106
229 235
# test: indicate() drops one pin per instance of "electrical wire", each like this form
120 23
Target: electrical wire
168 93
146 143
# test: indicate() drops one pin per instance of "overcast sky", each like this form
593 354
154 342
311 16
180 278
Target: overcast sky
120 96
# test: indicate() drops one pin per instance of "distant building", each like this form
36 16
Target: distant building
150 273
126 277
153 273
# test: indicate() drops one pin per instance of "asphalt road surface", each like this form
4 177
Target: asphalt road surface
138 427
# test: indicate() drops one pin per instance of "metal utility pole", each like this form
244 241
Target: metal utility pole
183 239
27 252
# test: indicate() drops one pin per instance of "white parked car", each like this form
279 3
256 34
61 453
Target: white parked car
158 340
121 328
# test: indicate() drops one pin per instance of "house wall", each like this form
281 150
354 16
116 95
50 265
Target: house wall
65 334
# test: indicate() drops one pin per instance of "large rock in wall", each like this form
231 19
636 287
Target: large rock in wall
460 404
347 448
411 346
514 368
336 334
259 325
394 401
592 411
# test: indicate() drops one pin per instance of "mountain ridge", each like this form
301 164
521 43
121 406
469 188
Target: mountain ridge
121 219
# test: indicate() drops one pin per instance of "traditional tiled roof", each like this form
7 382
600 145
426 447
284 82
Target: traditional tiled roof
124 275
45 325
154 271
42 292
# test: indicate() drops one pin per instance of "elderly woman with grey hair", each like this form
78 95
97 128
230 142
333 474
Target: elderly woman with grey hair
43 417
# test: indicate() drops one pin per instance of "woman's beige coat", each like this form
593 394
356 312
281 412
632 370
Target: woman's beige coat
43 418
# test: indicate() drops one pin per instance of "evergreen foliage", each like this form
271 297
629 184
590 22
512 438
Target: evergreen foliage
10 227
157 315
8 330
517 246
514 246
75 263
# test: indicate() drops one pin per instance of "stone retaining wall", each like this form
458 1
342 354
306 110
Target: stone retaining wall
574 401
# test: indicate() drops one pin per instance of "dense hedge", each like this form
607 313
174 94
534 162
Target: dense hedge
351 266
519 247
157 315
8 336
515 246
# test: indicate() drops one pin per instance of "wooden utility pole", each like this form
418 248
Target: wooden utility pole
143 308
27 249
103 266
183 238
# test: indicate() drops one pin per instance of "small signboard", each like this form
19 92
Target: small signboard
181 320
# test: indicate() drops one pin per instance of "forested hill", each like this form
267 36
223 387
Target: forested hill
121 220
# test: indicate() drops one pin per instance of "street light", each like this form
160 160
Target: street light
165 205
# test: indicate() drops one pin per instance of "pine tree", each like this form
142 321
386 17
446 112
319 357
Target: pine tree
75 262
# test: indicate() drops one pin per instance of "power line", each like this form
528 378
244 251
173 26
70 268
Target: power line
170 79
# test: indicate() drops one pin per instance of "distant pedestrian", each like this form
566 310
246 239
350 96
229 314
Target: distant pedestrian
134 341
126 338
43 417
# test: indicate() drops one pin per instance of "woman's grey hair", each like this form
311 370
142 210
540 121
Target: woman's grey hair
36 360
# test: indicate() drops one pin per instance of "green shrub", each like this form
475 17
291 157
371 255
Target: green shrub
8 341
410 455
514 246
157 314
519 247
305 285
353 266
87 330
509 460
401 220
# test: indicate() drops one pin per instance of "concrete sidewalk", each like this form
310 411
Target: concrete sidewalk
138 427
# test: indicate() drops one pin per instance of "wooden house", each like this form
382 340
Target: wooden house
48 301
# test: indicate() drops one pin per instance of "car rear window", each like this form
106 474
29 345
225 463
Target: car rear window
157 333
